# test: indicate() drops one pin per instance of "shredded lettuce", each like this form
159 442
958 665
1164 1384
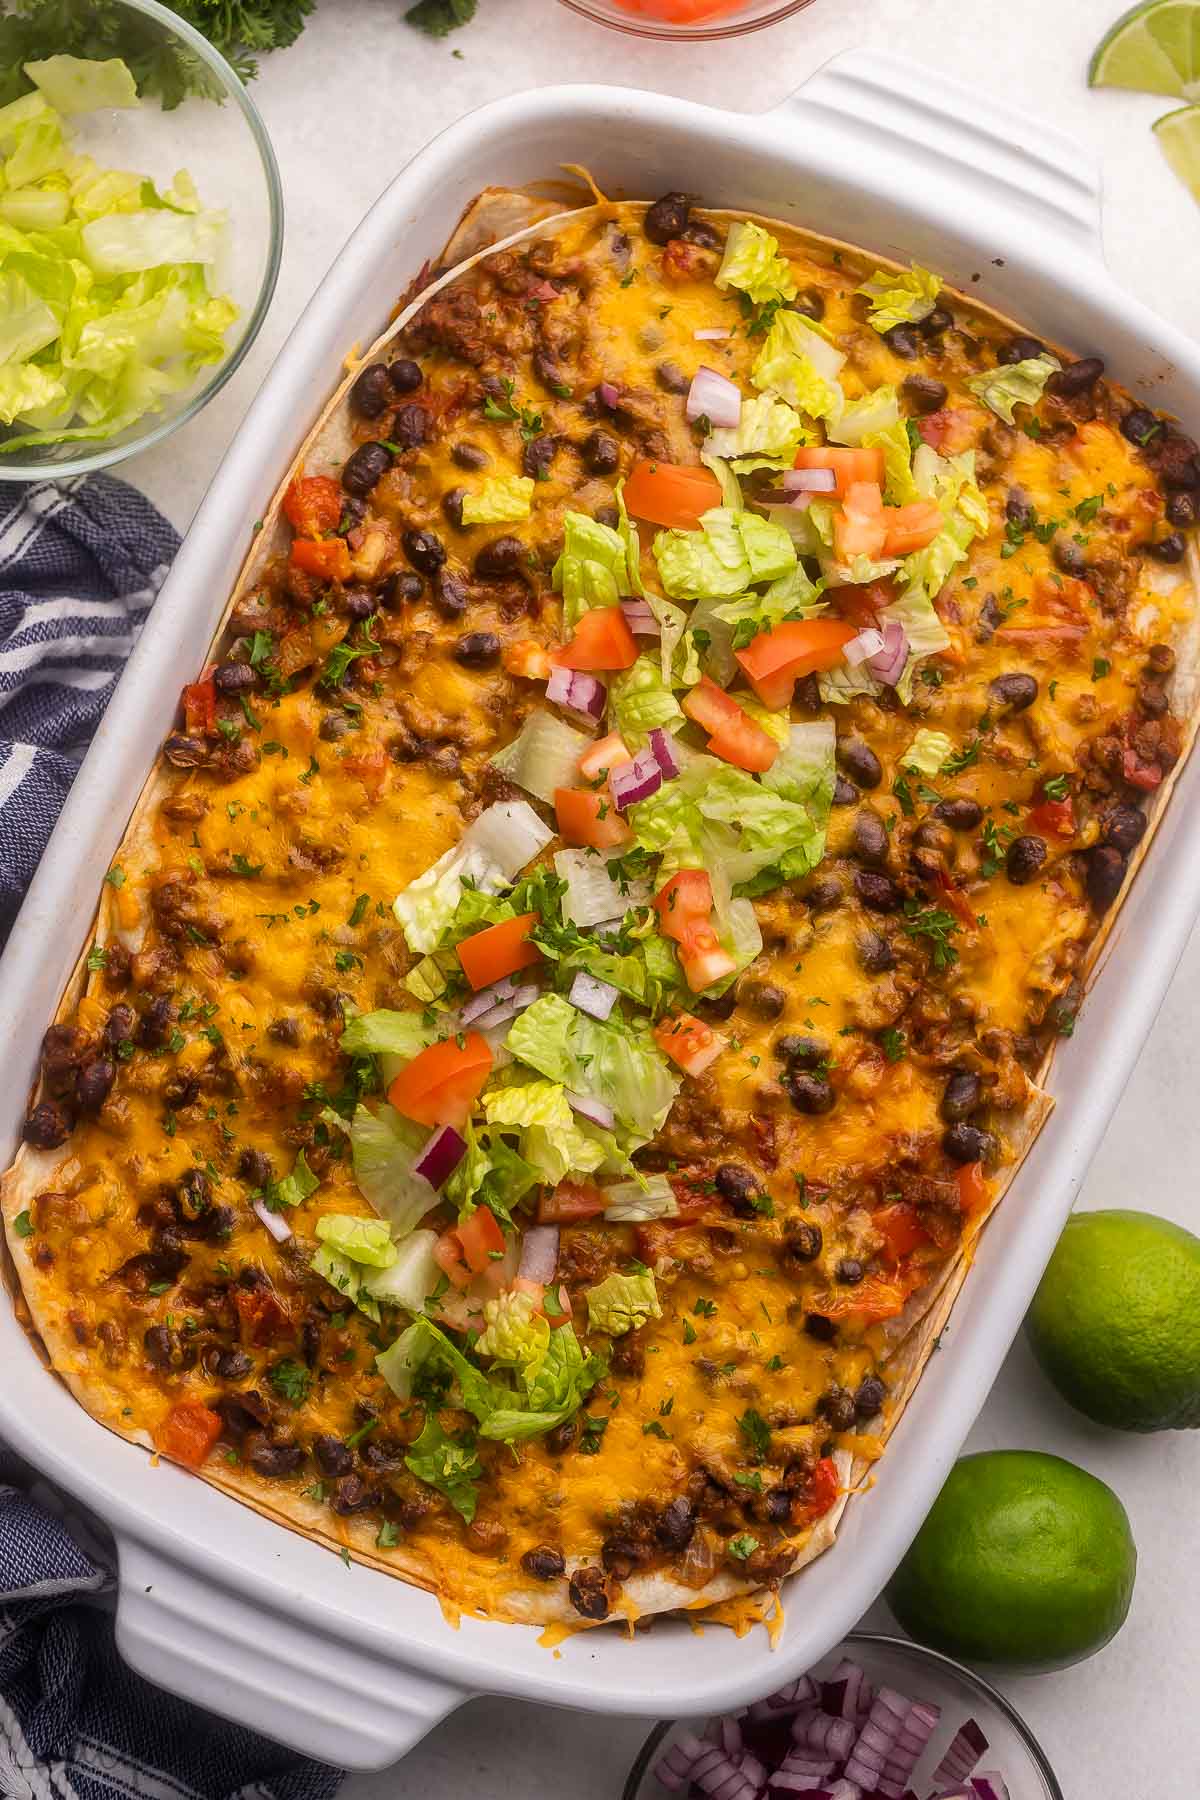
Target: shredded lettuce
513 1334
721 819
639 699
873 413
384 1146
898 299
839 686
804 772
719 561
899 487
347 1278
360 1240
752 263
1009 385
553 1141
76 84
411 1278
449 1464
621 1303
615 1062
592 896
594 568
294 1188
928 751
635 1202
403 1034
801 367
543 756
769 432
492 851
501 499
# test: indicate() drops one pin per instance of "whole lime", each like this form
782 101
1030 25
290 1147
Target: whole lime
1024 1560
1115 1323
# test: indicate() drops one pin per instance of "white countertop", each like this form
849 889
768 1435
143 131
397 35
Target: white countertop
346 107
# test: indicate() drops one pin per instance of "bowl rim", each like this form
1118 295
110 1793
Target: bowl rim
882 1640
639 25
104 455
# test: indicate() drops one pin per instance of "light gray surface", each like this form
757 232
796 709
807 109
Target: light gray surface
346 107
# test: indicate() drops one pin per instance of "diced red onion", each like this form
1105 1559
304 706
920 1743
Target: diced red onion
867 643
610 395
275 1222
595 1110
730 1736
714 397
441 1156
822 1732
845 1790
578 692
640 618
958 1793
674 1769
875 1740
888 665
789 1782
809 481
486 998
919 1725
754 1771
968 1745
508 1009
712 334
592 996
662 748
990 1786
635 780
539 1254
842 1692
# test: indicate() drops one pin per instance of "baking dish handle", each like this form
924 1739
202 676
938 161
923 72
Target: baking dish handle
229 1653
928 128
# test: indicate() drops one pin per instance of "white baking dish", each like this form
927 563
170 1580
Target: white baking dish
251 1619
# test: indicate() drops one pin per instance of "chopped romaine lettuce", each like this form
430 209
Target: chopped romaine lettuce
593 569
414 1275
635 1202
899 488
805 771
842 684
544 755
1013 384
491 852
402 1034
615 1062
719 561
928 751
899 299
769 431
501 500
801 366
361 1240
621 1303
347 1278
553 1141
448 1464
294 1188
752 263
385 1146
77 84
592 896
873 413
514 1334
639 699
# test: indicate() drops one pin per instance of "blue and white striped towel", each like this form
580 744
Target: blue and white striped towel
80 564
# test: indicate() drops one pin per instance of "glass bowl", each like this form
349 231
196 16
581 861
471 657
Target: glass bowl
223 144
725 20
922 1674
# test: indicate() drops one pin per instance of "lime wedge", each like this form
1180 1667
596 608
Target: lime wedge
1154 49
1178 134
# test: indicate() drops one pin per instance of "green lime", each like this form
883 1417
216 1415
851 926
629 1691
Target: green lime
1024 1560
1178 135
1155 49
1115 1323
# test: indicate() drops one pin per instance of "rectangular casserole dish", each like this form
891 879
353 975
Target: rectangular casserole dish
259 1623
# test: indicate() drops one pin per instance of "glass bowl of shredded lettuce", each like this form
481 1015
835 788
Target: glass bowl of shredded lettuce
141 224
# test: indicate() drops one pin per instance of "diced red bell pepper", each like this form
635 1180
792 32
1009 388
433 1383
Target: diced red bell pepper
200 707
313 505
441 1084
327 558
188 1433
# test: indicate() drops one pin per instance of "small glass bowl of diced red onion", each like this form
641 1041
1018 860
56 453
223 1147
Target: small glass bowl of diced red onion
879 1719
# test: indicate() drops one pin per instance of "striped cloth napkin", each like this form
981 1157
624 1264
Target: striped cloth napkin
81 561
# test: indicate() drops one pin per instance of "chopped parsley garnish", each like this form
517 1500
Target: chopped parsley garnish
936 926
508 409
1056 787
339 660
757 1432
388 1535
23 1224
1100 668
359 912
240 866
742 1547
291 1381
893 1043
592 1434
962 759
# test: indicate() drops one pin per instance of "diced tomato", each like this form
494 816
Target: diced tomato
688 1041
683 900
601 640
499 950
848 466
956 900
569 1201
1040 634
859 528
188 1433
669 494
328 558
529 660
1056 816
1143 775
875 1298
948 431
589 816
312 505
481 1237
702 958
448 1255
775 660
862 602
734 735
680 12
972 1188
441 1084
370 767
200 707
901 1229
911 527
263 1315
607 754
823 1489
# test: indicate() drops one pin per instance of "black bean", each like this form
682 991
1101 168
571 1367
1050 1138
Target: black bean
875 953
402 587
869 840
607 515
93 1083
232 1365
588 1592
185 752
405 375
410 426
1020 509
469 456
836 1407
1140 425
960 1096
931 834
671 378
804 1243
1181 508
1026 854
152 1032
967 1143
452 506
801 1052
763 998
503 556
902 341
1076 378
256 1166
1160 658
860 762
777 1504
1152 699
601 453
877 892
676 1524
559 1441
1019 349
869 1397
959 815
1060 1014
809 303
331 1455
850 1271
923 393
844 792
664 220
352 1495
1015 691
544 1563
195 1191
819 1327
234 678
451 597
1123 827
1069 558
333 726
371 392
699 231
1105 874
810 1094
424 550
1178 461
549 373
360 602
368 464
935 322
478 650
738 1185
620 1555
537 456
383 1454
1169 549
46 1126
163 1348
118 1027
823 894
275 1460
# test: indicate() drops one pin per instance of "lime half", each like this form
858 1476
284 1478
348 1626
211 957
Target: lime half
1154 49
1178 134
